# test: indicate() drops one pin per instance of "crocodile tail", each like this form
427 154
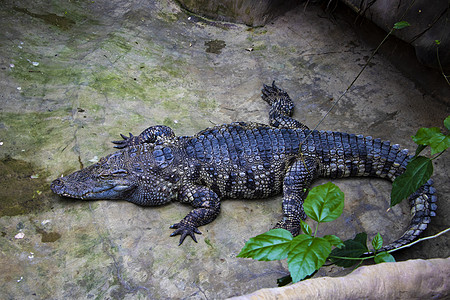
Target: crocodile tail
423 207
346 155
388 161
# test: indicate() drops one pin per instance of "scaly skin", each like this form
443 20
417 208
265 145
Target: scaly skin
241 160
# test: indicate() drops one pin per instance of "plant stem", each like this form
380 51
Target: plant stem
440 66
349 87
420 240
440 153
352 258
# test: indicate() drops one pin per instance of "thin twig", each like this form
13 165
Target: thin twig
420 240
440 66
359 74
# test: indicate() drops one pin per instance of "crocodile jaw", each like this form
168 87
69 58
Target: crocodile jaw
78 185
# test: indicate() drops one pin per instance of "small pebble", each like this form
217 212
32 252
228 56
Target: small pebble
20 235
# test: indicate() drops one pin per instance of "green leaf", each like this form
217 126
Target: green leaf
437 42
324 203
306 255
423 135
447 123
354 248
432 137
305 227
334 241
401 25
284 280
383 257
271 245
417 173
419 149
377 242
362 239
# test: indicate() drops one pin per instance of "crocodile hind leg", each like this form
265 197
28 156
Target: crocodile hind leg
281 109
149 135
206 205
295 189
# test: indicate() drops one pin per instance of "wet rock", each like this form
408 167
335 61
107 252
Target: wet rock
249 12
428 24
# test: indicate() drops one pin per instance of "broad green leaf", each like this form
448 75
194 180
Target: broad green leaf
423 135
447 123
419 149
437 42
417 173
271 245
306 255
383 257
334 241
324 203
439 143
354 248
305 228
362 239
377 242
401 25
432 137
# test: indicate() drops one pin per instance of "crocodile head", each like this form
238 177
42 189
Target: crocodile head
137 174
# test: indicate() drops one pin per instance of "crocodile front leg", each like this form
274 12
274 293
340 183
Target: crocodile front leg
295 189
281 109
149 135
206 205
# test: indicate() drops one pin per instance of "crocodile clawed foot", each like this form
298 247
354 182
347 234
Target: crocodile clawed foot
127 141
271 94
184 230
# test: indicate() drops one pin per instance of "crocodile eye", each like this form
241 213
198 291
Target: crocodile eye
114 173
119 172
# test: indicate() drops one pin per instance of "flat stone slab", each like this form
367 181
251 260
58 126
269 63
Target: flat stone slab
75 76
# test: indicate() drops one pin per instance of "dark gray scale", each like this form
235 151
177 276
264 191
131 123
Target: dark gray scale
390 163
237 141
137 168
282 140
253 142
190 149
333 157
295 141
362 154
340 158
316 143
355 154
376 157
347 153
369 156
163 156
401 160
387 163
323 144
266 151
208 147
133 152
250 180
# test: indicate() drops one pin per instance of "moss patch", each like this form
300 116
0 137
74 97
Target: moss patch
24 189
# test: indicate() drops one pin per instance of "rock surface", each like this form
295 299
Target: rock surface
76 74
249 12
428 23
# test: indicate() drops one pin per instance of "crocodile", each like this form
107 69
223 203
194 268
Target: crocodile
242 160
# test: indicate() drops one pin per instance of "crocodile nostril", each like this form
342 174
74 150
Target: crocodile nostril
57 185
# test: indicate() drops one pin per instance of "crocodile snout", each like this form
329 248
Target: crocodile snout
57 186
